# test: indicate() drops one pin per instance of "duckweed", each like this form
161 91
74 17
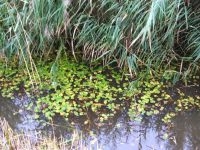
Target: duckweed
67 88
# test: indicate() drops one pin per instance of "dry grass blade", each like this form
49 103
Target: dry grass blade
11 140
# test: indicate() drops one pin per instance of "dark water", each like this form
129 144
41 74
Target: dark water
118 134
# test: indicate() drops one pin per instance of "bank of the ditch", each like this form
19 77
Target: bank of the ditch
12 140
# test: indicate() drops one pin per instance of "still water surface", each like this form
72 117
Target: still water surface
119 134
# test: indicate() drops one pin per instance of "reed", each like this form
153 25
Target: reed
135 34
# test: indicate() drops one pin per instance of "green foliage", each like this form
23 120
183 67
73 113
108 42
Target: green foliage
153 97
75 89
78 89
134 34
28 27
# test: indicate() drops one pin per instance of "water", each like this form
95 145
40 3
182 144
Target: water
119 134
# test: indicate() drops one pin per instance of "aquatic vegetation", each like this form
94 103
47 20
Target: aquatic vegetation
154 97
79 89
151 99
73 89
68 89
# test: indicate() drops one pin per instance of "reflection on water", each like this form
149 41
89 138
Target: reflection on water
150 133
186 132
119 134
18 117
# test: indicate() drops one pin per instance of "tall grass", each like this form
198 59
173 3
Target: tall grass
135 34
29 29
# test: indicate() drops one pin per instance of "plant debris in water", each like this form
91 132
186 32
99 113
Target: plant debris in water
68 88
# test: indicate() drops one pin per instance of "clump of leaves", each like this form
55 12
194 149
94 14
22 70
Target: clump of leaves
78 88
154 97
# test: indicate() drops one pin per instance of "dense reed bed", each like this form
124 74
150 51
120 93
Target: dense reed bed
134 34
